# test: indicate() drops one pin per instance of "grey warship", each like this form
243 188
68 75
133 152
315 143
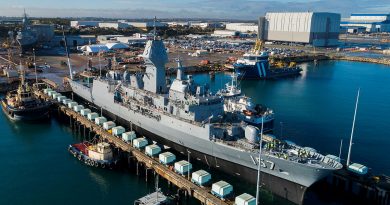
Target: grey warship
189 118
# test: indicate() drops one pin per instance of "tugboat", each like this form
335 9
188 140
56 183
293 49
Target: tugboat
247 111
255 65
21 104
94 155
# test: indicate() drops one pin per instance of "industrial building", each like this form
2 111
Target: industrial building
225 33
371 23
83 24
315 28
242 27
114 25
148 25
73 41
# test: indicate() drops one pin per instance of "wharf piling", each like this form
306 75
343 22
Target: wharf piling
190 189
372 189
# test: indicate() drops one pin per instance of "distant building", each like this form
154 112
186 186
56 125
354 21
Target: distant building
371 22
148 25
225 33
108 38
316 28
242 27
176 24
114 25
73 41
83 24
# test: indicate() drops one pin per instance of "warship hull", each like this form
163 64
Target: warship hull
284 178
27 114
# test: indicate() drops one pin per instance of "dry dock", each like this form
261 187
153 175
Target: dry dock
202 194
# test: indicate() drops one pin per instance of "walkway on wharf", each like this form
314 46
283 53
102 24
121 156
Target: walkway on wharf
181 182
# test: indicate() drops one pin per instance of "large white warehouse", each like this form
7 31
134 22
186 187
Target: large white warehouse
371 22
242 27
316 28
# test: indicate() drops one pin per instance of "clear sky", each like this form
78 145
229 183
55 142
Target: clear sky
233 9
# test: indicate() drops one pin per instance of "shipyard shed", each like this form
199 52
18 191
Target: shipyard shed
245 199
152 150
222 189
94 49
116 46
201 177
167 158
128 136
315 28
140 143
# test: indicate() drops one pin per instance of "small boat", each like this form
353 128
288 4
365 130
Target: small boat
21 104
155 198
95 155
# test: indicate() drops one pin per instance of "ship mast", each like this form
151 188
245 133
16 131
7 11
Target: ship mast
67 54
259 164
353 128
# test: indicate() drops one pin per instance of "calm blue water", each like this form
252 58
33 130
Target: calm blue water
315 110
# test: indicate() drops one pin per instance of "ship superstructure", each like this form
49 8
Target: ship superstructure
190 119
244 108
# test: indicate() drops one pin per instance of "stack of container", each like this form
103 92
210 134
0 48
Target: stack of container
245 199
152 150
108 125
129 136
183 167
167 158
61 98
201 178
85 112
118 131
72 104
92 116
100 120
222 190
78 108
140 143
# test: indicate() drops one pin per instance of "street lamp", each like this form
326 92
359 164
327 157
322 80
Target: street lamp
188 169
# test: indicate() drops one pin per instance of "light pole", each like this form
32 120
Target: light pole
188 169
259 165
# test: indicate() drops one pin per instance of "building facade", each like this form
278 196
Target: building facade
242 27
371 22
315 28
